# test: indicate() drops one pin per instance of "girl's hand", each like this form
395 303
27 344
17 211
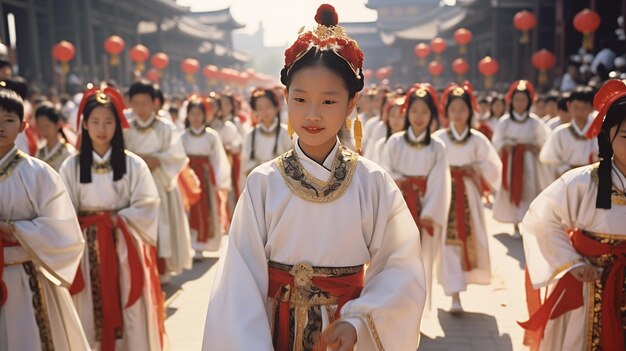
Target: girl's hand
586 273
339 336
7 233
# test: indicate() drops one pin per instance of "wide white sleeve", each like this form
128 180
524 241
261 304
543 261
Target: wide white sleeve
436 203
237 316
390 307
220 164
489 163
499 138
552 153
549 252
172 157
142 213
389 150
53 238
247 164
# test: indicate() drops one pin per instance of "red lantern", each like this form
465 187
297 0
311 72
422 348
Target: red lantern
114 45
153 74
422 50
210 73
435 68
438 45
525 21
190 66
160 61
460 67
383 73
543 60
64 52
587 22
139 54
462 37
488 67
367 74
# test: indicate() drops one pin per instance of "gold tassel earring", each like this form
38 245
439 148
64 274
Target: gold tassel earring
358 134
289 129
348 123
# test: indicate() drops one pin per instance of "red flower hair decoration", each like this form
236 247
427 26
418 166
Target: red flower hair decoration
327 36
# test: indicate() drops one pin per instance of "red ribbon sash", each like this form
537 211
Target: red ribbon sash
413 189
458 174
517 173
109 274
199 212
345 288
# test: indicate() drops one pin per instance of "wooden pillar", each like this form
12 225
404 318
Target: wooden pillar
91 49
77 39
33 42
4 38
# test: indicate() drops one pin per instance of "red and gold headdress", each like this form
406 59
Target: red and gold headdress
103 96
520 85
326 36
195 98
459 90
610 92
421 90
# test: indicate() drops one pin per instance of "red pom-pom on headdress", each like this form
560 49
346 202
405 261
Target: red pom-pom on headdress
610 92
326 15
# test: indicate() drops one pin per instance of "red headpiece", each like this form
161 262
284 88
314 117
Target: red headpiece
421 90
520 85
201 99
327 36
103 96
459 90
610 92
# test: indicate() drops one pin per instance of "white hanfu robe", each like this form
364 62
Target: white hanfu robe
367 222
38 313
55 156
207 144
159 138
568 148
368 128
232 141
554 122
401 160
515 130
135 199
265 139
570 203
470 148
378 132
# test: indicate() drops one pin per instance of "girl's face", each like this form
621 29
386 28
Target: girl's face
497 108
419 116
458 112
318 104
210 115
265 110
196 117
519 102
227 106
396 119
101 126
618 136
47 129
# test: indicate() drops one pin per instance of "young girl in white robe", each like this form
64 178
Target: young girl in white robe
116 290
269 138
40 247
394 123
475 169
208 160
518 138
50 126
419 165
575 242
293 277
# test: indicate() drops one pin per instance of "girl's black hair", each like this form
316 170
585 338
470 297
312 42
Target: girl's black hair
530 101
467 100
495 98
434 115
616 116
270 95
158 94
47 110
118 157
193 104
330 60
230 97
11 102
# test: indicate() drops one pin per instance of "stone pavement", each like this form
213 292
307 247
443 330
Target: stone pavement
489 322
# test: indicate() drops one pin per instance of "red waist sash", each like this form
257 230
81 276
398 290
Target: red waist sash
112 319
282 282
517 173
414 189
458 174
3 288
568 293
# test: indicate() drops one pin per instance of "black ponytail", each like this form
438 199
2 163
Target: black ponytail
615 116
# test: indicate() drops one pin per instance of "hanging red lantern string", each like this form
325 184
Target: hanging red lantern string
524 21
460 67
422 50
587 22
114 45
139 54
488 67
64 52
190 66
435 68
543 60
210 72
463 37
438 46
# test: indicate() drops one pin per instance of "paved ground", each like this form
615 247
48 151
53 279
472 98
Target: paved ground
488 324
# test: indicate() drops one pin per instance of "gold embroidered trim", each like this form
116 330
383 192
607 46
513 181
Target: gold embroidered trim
415 144
53 156
101 168
564 267
618 197
325 272
575 133
142 129
454 140
371 327
40 307
590 312
10 164
307 187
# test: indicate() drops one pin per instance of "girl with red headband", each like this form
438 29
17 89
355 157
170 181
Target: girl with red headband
209 162
575 241
116 289
475 169
306 224
394 123
518 138
419 164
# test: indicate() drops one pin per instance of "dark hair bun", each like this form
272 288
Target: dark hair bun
326 15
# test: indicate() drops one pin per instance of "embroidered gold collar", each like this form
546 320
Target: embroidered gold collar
196 134
457 141
307 187
575 132
51 157
9 165
416 144
618 197
143 129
